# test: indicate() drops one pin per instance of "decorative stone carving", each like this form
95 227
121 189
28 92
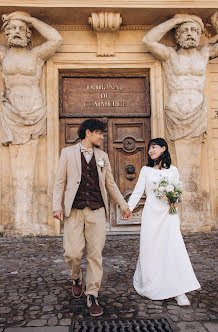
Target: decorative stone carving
186 121
214 21
23 108
105 25
129 144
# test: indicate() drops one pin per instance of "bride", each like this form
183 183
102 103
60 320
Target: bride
163 269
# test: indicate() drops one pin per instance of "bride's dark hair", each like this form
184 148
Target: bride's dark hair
164 160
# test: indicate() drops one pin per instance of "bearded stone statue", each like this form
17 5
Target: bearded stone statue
24 112
23 108
185 68
185 112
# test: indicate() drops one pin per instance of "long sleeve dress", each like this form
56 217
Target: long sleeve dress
163 269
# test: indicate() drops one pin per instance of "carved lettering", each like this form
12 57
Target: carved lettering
95 87
103 87
104 95
113 87
104 104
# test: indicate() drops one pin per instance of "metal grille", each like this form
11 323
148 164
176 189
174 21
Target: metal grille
150 325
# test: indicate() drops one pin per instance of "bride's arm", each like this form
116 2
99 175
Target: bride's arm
176 176
138 191
175 181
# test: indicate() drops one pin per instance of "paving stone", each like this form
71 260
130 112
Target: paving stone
50 299
174 318
154 311
186 317
66 321
52 321
4 310
38 329
190 327
40 297
113 316
37 322
211 326
172 306
35 307
48 308
154 306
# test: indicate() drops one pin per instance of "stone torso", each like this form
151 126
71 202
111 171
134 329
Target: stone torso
186 106
186 71
21 73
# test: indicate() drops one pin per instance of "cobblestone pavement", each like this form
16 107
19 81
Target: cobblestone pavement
35 286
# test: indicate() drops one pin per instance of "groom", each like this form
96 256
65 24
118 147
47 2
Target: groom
86 171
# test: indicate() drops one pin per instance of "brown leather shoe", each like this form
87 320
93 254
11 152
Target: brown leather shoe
77 288
94 308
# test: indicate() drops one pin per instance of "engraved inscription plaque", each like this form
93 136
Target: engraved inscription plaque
104 96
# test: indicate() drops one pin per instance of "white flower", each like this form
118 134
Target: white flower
101 162
169 188
161 188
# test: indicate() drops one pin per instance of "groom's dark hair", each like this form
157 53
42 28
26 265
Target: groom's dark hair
92 125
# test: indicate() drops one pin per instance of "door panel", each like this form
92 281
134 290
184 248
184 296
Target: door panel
127 139
68 131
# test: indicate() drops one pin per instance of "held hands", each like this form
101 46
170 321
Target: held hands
58 215
126 214
174 204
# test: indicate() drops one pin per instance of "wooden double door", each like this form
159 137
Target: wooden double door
127 129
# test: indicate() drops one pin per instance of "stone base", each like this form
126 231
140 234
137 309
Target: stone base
195 206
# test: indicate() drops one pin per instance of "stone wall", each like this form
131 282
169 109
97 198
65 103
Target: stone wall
212 88
78 53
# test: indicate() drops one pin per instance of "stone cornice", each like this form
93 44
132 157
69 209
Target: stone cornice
88 27
112 3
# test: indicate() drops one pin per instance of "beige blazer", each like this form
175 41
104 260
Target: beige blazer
69 173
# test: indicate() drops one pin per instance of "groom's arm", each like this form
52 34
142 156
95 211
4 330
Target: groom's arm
114 191
59 184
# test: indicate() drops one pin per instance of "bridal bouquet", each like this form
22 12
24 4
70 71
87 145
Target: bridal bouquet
168 192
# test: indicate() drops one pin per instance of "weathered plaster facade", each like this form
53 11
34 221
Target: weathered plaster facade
86 49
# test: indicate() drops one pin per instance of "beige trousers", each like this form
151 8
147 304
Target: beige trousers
85 228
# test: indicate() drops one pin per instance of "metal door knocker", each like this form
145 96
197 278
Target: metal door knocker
130 171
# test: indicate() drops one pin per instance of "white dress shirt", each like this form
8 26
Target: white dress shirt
88 153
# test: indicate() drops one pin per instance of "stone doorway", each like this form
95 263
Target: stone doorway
123 102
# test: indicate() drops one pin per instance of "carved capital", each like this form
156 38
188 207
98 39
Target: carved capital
105 21
105 26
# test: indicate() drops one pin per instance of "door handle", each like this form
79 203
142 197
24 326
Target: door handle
130 172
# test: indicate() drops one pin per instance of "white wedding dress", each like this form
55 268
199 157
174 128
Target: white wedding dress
163 269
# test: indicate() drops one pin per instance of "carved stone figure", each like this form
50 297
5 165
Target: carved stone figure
23 108
185 71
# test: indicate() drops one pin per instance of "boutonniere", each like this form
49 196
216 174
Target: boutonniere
101 163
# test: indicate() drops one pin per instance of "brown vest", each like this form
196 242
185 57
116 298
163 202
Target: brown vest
88 193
